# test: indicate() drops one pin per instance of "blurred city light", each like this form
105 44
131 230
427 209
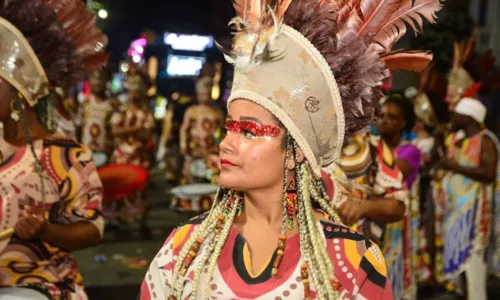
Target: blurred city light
103 14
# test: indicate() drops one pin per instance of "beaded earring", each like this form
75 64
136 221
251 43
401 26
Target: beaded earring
233 196
14 115
291 201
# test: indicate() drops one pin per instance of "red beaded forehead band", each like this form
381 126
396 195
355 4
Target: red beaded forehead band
255 129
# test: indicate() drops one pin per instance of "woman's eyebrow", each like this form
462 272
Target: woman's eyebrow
247 118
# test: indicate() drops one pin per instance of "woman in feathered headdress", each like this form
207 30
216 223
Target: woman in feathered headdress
50 190
307 76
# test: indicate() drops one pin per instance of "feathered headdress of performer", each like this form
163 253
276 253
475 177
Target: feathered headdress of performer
48 44
317 65
460 82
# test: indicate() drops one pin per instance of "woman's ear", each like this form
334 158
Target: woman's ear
291 159
300 156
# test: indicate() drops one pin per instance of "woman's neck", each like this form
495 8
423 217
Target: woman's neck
14 134
264 207
393 141
472 130
422 134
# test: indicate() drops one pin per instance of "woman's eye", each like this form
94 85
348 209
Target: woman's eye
248 134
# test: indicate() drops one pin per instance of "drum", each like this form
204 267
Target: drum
193 197
100 159
120 181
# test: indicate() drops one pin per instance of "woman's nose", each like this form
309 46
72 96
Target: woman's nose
230 143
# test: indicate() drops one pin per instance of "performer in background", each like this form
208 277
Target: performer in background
472 171
95 113
51 193
132 128
367 160
402 239
306 78
200 136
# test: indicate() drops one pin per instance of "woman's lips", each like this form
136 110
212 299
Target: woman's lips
227 163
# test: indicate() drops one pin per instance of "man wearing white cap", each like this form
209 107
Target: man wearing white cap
472 166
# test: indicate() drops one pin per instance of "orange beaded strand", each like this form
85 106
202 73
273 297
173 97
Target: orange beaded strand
304 273
279 257
192 255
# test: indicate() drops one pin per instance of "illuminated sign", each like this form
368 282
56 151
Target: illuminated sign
180 65
136 49
188 42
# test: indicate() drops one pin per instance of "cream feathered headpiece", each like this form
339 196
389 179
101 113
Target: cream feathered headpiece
68 25
317 65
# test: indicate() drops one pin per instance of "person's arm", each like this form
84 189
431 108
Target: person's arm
438 150
79 223
167 126
184 130
486 172
384 210
408 160
82 208
118 130
72 237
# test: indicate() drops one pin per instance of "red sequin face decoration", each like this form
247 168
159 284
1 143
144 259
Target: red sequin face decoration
251 129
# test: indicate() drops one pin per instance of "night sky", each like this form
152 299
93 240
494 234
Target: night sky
128 18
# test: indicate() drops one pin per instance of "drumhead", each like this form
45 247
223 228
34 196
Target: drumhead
196 189
100 159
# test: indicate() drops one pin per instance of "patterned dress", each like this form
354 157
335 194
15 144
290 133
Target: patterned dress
368 160
73 194
135 150
96 114
358 263
467 206
404 236
129 149
202 128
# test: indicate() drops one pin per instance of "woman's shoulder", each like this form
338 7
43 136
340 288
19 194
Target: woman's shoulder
333 230
357 259
69 148
65 152
61 141
182 232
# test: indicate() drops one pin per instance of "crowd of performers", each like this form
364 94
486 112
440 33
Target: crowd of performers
299 198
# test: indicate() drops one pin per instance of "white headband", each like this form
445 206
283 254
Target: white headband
472 108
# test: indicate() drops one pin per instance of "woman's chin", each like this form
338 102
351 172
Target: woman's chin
229 182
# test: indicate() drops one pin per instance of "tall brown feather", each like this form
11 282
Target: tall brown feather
375 13
457 55
395 27
415 61
80 25
251 10
344 10
282 7
469 47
